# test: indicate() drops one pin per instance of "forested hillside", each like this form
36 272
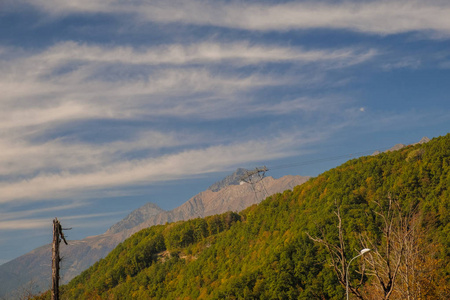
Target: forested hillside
297 245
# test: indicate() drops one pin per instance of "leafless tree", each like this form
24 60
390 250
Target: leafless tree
386 257
337 253
402 263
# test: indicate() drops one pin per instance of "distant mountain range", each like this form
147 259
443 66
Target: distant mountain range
32 271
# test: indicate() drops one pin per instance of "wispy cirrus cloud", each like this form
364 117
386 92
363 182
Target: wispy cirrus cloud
146 171
375 17
24 224
26 158
237 53
17 224
72 83
24 214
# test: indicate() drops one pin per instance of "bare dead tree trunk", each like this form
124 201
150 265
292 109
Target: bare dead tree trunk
57 235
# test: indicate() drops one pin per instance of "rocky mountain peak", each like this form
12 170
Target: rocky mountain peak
424 140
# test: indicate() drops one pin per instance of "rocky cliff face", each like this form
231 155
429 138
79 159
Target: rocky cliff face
34 268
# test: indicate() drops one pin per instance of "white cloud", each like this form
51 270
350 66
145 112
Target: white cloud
22 214
405 63
146 171
41 223
71 83
24 224
379 17
19 117
69 98
97 79
240 53
25 158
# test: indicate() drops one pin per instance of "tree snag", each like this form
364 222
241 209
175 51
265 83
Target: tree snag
57 236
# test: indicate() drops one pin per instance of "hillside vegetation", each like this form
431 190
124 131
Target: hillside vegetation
288 246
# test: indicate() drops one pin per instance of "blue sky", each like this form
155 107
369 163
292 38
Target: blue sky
107 105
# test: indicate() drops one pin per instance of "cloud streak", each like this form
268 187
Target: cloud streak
374 17
24 158
145 171
238 53
73 83
40 223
